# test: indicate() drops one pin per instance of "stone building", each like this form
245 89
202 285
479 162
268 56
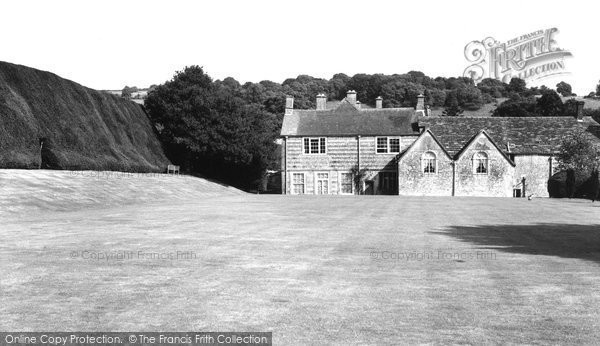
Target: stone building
348 148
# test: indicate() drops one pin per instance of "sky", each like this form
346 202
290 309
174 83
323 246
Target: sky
112 43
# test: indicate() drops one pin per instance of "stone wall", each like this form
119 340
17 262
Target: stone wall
451 178
341 156
497 182
412 181
537 170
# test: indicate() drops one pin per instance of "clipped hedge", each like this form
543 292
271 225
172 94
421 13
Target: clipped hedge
82 128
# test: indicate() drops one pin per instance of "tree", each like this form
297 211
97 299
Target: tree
452 108
126 92
338 86
595 185
435 97
550 104
598 89
358 178
493 87
469 97
517 85
564 89
208 128
516 108
579 156
578 153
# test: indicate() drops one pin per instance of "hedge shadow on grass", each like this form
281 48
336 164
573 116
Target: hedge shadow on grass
562 240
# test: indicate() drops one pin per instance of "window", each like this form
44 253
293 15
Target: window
315 145
394 145
298 183
480 163
388 145
429 163
346 183
382 145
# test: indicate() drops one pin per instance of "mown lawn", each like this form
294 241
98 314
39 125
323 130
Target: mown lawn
333 270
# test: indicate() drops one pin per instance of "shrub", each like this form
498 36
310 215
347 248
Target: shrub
585 186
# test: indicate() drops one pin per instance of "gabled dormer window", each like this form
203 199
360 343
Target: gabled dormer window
316 145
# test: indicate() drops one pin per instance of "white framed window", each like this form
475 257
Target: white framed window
346 183
387 145
315 145
322 183
394 144
298 183
429 163
382 145
480 163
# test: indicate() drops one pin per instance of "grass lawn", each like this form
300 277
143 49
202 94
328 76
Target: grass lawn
331 270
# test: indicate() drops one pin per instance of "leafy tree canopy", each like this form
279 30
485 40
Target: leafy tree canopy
564 89
578 153
215 128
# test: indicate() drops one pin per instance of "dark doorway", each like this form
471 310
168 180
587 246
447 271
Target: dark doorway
48 159
388 183
369 187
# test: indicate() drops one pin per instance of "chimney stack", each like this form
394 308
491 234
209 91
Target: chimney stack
351 97
379 102
420 103
321 102
579 110
289 105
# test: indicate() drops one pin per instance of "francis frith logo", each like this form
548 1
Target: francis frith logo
530 57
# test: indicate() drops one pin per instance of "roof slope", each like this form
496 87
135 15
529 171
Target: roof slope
483 133
531 135
346 120
82 128
414 144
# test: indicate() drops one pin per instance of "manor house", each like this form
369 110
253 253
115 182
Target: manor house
348 148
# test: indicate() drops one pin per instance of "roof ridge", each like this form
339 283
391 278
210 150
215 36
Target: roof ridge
388 109
477 117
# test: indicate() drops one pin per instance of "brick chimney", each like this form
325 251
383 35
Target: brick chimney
289 105
379 102
321 102
351 97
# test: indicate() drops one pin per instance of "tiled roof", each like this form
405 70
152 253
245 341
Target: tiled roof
346 120
532 135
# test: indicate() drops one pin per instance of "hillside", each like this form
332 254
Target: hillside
59 124
36 190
